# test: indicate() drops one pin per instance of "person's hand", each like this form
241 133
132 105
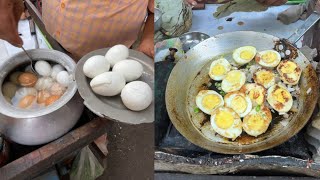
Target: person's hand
10 12
191 2
147 47
272 2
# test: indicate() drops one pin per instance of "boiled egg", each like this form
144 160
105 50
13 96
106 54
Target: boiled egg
219 69
42 96
289 72
233 81
26 101
279 98
239 102
226 122
116 54
264 77
255 92
244 54
208 100
27 79
257 121
50 100
268 58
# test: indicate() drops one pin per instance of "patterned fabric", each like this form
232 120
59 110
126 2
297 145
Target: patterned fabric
82 26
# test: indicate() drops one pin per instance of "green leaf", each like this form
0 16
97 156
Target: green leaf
258 108
196 110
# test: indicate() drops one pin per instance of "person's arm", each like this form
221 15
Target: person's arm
10 12
272 2
147 42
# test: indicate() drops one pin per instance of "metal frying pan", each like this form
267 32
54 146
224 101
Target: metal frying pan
189 74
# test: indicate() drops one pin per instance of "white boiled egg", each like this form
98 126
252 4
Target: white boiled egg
264 77
130 69
108 84
219 69
43 68
268 58
117 53
289 72
244 55
95 65
257 121
208 100
233 81
279 98
256 92
239 102
226 122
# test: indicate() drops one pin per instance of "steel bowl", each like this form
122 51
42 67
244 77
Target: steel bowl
39 126
191 39
157 19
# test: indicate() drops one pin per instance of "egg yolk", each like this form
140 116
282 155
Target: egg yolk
234 77
239 104
288 67
246 55
269 57
255 122
264 77
211 101
224 119
218 70
256 96
281 95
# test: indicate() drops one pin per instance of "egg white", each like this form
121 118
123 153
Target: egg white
229 83
219 63
265 61
238 54
230 97
273 98
200 97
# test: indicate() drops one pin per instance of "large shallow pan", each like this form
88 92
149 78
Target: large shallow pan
187 77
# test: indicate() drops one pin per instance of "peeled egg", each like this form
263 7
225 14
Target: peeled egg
244 54
209 100
43 68
9 89
233 81
239 102
257 121
44 83
289 72
14 77
55 70
57 89
43 95
226 122
117 53
50 100
63 78
27 101
130 69
256 93
137 95
219 69
279 98
108 84
27 79
264 77
268 58
96 65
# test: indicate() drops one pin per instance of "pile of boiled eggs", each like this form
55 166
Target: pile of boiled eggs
27 90
135 95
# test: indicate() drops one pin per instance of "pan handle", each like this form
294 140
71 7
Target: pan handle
309 22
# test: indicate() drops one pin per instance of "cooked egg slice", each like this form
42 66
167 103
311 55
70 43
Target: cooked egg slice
219 69
289 72
233 81
257 121
239 102
244 54
279 98
268 58
256 93
208 100
264 77
226 122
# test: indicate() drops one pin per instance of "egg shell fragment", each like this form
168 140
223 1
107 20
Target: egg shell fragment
96 65
117 53
130 69
43 68
108 84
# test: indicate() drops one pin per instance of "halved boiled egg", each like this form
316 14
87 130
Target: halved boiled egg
233 81
244 54
289 72
268 58
264 77
226 122
219 69
256 93
239 102
279 98
257 121
208 100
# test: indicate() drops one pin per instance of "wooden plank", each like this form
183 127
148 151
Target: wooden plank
43 158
